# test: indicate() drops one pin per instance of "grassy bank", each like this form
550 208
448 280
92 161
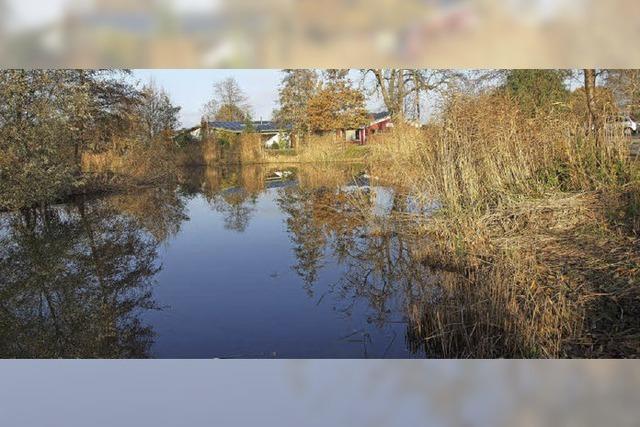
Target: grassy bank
539 222
249 149
317 149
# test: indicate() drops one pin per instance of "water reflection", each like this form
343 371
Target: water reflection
74 279
230 190
233 262
379 265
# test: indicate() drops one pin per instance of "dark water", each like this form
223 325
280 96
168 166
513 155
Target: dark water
232 263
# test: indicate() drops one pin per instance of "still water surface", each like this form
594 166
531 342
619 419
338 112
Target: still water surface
246 262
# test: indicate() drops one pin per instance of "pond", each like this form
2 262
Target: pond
233 262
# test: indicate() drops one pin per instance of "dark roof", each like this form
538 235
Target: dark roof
268 126
259 126
230 126
379 116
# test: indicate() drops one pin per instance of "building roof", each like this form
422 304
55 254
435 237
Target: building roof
259 126
379 116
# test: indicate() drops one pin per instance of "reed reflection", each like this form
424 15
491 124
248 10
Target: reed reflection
398 276
80 279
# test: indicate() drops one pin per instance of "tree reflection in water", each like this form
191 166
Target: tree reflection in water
308 238
231 190
75 279
378 263
384 267
236 206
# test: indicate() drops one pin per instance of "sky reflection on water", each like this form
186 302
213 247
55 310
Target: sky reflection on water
234 263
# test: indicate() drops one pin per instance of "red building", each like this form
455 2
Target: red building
379 122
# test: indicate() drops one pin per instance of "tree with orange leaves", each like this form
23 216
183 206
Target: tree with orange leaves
337 105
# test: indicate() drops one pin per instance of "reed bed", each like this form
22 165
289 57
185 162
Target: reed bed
317 149
133 167
484 151
538 225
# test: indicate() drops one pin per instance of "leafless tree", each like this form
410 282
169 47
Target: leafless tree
403 90
229 102
157 113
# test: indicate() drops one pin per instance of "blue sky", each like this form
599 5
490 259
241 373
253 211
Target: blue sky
191 89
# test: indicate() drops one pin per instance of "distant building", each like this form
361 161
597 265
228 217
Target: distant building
270 132
378 122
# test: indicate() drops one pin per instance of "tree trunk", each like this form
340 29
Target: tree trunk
416 85
400 97
77 158
384 91
590 92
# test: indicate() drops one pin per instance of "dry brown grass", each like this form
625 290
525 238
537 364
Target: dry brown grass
250 148
538 231
206 153
548 278
485 151
317 149
134 167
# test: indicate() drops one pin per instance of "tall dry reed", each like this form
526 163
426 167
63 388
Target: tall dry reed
530 220
138 165
317 149
484 152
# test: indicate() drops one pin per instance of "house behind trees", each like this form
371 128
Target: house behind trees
378 122
271 133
